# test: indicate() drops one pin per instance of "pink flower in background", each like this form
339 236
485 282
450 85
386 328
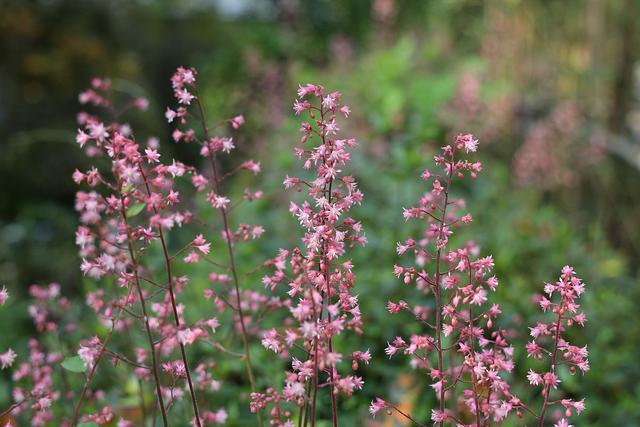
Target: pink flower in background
237 121
4 295
7 358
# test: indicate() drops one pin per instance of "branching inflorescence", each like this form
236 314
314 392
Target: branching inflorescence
134 213
318 278
465 352
186 93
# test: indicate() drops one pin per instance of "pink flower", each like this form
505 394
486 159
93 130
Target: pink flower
300 106
551 379
7 358
237 121
192 258
257 231
141 104
186 336
184 97
213 324
152 155
82 138
479 297
4 295
78 176
270 341
569 404
89 352
377 405
217 201
176 169
43 403
468 142
534 378
390 350
438 416
201 244
170 115
98 131
251 166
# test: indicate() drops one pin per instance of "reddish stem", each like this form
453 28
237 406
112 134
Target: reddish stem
473 353
547 386
327 273
231 254
437 289
134 264
174 306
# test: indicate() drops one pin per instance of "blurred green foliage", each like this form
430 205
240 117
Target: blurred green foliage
400 65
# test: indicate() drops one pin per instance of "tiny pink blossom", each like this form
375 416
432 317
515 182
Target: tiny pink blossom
186 336
438 416
170 115
184 97
7 358
377 405
237 121
217 201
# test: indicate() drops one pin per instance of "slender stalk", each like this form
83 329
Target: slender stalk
315 367
304 408
12 408
143 304
143 406
83 392
325 269
327 272
300 414
174 306
407 416
438 289
473 353
473 374
232 262
306 404
554 355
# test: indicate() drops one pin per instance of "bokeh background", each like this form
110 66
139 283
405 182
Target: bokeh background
551 89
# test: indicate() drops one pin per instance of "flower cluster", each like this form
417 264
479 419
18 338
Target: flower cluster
555 152
466 352
549 342
35 386
317 278
463 326
128 212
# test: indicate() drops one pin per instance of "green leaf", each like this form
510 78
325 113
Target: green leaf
135 209
73 364
89 424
